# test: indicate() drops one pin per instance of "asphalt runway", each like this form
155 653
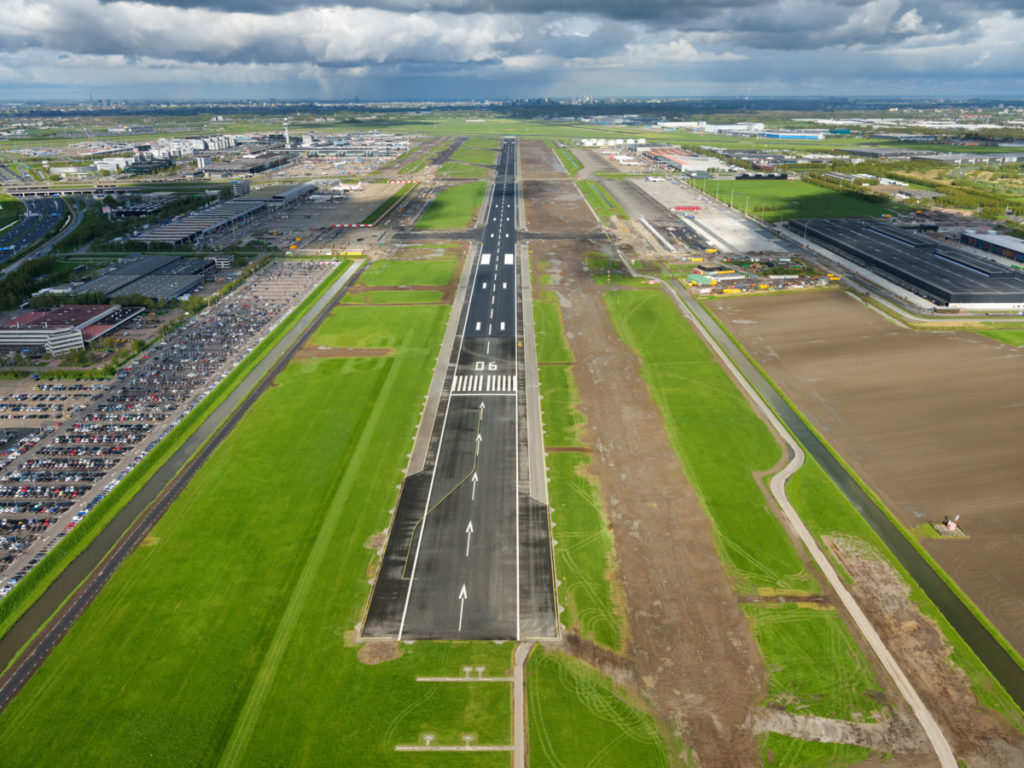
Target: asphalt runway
468 554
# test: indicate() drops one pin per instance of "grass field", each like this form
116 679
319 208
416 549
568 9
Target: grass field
422 272
779 751
601 200
584 555
387 205
781 200
466 154
561 419
547 324
1014 338
11 209
815 665
394 297
462 171
454 208
478 142
232 631
578 718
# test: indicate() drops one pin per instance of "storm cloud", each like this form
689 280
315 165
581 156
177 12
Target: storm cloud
450 48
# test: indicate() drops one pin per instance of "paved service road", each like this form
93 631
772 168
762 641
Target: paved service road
468 555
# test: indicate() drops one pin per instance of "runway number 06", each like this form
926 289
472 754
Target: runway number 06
490 366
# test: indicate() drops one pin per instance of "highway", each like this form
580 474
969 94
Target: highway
468 554
42 215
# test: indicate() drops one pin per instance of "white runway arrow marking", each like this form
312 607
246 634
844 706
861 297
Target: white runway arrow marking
462 604
473 495
469 535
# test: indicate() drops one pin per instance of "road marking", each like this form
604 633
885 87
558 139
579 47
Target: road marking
462 604
485 259
509 257
502 328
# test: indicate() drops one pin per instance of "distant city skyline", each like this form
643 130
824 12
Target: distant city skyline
477 49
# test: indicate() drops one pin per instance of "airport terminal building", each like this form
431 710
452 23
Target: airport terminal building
945 275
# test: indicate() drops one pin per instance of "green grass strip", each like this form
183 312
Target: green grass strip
551 344
584 555
454 208
463 171
576 717
394 297
569 161
562 420
1014 338
384 208
386 272
601 200
466 154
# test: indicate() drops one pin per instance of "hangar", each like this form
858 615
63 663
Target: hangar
943 274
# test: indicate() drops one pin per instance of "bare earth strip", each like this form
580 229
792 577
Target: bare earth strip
538 160
691 652
928 420
557 207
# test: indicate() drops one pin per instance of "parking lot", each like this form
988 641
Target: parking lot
84 438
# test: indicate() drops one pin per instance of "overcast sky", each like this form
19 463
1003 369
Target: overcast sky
445 49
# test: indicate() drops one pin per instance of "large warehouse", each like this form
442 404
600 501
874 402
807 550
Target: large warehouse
156 277
943 274
1001 245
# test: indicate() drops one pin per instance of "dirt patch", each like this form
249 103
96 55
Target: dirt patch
317 352
925 418
691 653
557 207
378 652
923 653
538 161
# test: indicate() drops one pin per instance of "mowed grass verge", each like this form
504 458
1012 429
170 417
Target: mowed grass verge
386 272
242 610
721 444
454 207
394 297
475 156
782 200
455 170
601 200
578 718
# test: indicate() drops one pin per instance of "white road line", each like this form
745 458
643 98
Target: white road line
433 474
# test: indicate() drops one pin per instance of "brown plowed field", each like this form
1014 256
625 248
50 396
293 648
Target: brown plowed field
930 420
538 161
555 207
690 650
